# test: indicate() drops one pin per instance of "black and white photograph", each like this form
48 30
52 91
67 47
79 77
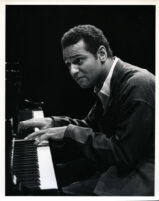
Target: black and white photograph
80 100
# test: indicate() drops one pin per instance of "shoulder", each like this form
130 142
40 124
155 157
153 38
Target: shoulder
134 82
127 73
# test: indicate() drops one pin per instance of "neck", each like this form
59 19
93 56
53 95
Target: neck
106 68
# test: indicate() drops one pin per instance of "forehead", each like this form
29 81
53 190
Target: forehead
77 49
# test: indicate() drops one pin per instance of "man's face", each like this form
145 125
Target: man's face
84 67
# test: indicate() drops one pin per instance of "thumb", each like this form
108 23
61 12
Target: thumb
43 139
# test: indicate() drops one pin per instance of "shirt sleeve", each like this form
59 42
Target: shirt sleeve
88 121
128 144
65 121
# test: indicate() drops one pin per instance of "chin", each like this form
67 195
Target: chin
85 86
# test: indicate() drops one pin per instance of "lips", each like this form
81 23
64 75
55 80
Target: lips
78 78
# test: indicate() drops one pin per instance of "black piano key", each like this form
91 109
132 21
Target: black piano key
37 183
25 159
25 164
28 176
31 184
29 179
33 175
26 171
23 170
26 151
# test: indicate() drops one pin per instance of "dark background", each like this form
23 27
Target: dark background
33 36
34 66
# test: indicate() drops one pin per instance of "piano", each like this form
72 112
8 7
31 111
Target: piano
29 169
32 166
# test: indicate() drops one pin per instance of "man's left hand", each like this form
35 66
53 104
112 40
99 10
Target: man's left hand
56 133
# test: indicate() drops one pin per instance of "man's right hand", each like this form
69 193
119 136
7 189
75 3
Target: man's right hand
41 123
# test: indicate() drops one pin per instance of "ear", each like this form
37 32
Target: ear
102 54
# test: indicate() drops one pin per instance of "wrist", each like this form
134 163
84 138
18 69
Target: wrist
50 121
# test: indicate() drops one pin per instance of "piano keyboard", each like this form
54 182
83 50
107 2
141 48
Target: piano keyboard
32 165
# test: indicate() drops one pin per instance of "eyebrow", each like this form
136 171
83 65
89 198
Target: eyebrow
71 57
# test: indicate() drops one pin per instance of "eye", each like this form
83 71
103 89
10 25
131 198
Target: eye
68 64
78 61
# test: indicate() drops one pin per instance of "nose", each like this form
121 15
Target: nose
74 70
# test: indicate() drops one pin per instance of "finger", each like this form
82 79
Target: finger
21 126
34 135
36 141
31 123
43 139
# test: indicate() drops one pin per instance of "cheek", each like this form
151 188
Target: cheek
88 68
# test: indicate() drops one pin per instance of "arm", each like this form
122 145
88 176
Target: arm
49 122
132 137
65 121
88 121
130 141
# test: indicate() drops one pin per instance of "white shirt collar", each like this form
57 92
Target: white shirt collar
104 93
106 85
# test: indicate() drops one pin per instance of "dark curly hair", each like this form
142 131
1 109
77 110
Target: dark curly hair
92 36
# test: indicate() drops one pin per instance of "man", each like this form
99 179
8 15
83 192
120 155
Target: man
116 139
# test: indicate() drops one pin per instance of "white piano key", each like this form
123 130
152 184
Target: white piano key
46 168
38 114
46 171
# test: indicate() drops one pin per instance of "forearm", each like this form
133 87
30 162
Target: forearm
59 121
127 145
89 121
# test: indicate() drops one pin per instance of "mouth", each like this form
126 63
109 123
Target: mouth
78 78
